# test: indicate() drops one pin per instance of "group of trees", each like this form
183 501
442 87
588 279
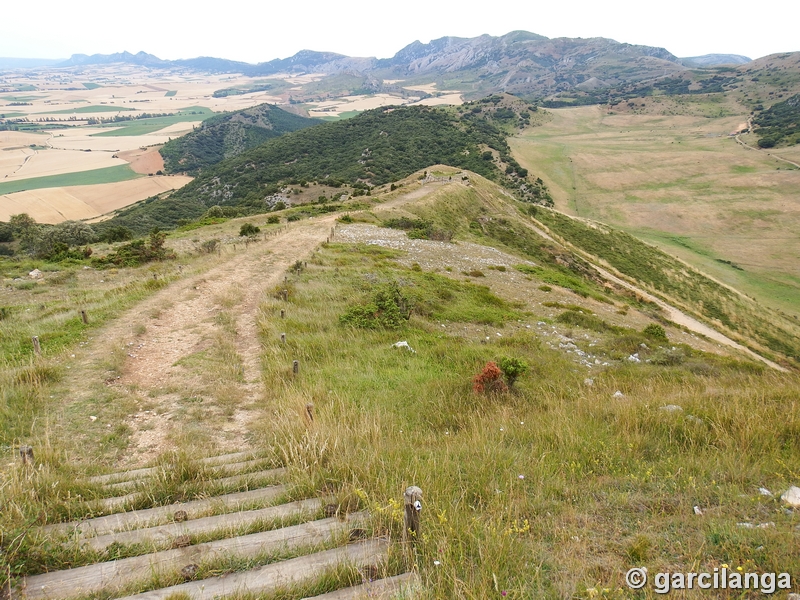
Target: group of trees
69 239
779 124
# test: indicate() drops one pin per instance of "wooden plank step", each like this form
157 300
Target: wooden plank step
115 575
380 588
151 516
255 478
147 471
222 469
166 534
275 575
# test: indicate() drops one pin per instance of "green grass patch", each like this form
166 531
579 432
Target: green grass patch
348 114
90 85
145 126
93 177
171 93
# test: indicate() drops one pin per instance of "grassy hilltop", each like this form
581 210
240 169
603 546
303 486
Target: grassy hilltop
549 486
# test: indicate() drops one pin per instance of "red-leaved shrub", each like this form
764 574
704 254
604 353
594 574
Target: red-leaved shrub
489 380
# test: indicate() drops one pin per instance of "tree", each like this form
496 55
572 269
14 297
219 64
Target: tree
26 230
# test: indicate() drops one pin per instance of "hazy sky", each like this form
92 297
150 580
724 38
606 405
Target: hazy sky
260 31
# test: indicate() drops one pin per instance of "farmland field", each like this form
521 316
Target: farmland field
57 204
145 126
122 172
88 109
682 183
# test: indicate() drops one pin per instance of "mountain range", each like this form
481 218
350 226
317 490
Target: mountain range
519 62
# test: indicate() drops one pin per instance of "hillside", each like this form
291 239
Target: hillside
548 412
779 124
228 135
351 157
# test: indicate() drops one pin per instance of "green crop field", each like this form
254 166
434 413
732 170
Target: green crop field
145 126
95 176
90 85
171 93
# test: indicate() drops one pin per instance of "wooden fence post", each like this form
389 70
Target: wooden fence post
84 317
285 294
283 338
26 454
283 314
295 367
36 347
413 504
310 411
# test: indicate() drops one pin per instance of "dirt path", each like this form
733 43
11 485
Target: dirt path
184 320
681 318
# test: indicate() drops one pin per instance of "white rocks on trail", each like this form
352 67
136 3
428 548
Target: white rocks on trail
792 497
35 274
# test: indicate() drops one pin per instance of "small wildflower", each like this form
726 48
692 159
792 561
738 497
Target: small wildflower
725 566
503 593
739 569
436 562
521 476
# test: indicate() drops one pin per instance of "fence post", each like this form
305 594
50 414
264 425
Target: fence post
36 347
413 504
283 338
295 367
84 317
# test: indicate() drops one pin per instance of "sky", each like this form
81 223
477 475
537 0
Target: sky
255 31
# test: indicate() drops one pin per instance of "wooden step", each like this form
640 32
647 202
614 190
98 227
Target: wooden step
117 574
166 534
249 479
148 471
275 575
389 587
151 516
223 469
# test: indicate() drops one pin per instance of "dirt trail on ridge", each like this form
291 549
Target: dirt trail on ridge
181 320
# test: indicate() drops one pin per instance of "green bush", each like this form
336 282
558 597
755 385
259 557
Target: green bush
387 309
512 368
273 219
249 230
655 332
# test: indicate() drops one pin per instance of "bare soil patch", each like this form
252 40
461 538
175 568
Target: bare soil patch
144 161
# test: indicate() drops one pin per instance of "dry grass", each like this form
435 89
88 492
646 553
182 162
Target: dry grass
680 182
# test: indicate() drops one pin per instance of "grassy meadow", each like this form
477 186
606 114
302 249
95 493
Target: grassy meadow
145 126
671 175
553 488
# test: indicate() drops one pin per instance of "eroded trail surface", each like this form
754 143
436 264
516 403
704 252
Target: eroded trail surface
191 351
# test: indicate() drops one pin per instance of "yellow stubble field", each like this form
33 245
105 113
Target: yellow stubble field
54 205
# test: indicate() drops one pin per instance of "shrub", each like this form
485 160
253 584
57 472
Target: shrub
490 379
387 309
139 252
248 230
512 368
273 219
656 332
209 246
